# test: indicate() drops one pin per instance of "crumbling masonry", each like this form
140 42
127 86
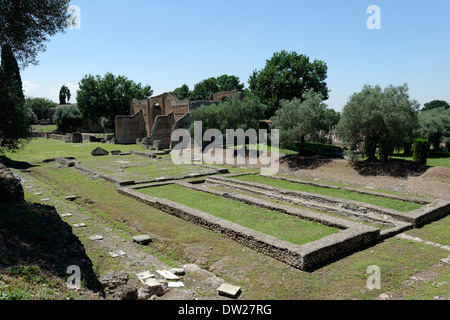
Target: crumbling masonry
152 121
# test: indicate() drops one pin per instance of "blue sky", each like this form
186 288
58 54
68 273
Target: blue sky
169 43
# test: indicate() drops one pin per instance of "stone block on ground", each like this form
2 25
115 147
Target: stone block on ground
144 276
177 271
142 239
116 152
229 290
79 225
152 287
99 152
167 275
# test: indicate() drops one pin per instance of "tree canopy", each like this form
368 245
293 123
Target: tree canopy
288 75
376 118
435 104
230 114
207 87
300 119
40 106
435 125
27 24
108 96
182 92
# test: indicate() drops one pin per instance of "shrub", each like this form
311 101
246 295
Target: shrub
68 118
421 147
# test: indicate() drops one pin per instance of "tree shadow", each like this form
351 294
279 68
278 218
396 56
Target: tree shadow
394 168
296 162
34 235
20 165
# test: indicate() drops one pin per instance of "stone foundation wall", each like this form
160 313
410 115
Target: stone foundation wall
305 257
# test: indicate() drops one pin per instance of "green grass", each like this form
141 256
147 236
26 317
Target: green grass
40 149
434 159
338 193
42 128
138 168
274 223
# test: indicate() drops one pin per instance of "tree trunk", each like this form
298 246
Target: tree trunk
302 145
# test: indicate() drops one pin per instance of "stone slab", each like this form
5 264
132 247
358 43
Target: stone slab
79 225
177 271
229 290
116 254
167 275
96 237
177 284
144 276
64 215
142 239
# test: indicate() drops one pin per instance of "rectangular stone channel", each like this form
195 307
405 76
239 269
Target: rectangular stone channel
307 256
428 210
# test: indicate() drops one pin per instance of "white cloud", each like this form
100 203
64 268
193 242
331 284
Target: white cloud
29 87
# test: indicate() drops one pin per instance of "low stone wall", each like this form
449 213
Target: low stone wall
305 257
392 226
433 210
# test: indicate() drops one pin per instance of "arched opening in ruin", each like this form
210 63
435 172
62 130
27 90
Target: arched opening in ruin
157 111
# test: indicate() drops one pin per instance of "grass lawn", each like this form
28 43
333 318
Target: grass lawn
434 159
338 193
40 149
139 168
274 223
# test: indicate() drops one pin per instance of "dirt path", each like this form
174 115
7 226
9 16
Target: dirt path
198 283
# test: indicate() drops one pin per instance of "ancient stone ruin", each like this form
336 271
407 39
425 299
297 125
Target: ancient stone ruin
152 121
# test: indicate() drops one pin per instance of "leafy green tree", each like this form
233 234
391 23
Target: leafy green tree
300 119
64 95
108 96
233 113
435 125
182 92
68 118
207 87
376 118
40 106
288 75
435 104
27 24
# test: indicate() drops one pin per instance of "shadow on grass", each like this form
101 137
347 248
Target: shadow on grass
33 237
19 165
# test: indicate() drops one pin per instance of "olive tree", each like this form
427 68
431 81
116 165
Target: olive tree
379 119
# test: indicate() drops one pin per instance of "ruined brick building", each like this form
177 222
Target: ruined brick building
157 117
